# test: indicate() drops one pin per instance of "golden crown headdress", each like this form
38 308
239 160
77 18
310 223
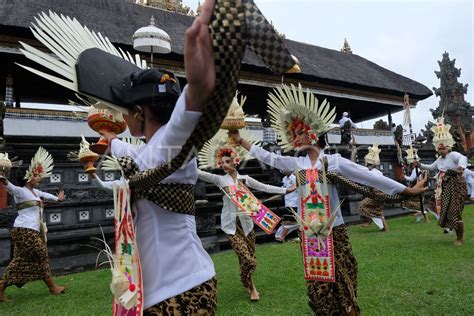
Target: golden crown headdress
290 108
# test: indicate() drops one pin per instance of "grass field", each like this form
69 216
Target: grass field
413 269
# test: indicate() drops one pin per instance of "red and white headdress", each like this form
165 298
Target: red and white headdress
41 164
212 152
291 108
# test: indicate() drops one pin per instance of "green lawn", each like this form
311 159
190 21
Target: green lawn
413 269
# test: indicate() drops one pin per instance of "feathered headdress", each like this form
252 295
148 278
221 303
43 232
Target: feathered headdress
84 61
291 108
212 151
442 136
41 164
412 155
372 157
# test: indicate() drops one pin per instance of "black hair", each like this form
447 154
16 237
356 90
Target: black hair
17 176
227 154
322 141
156 88
162 107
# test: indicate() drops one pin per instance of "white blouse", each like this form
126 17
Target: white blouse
28 217
172 257
229 210
106 185
337 164
291 199
452 161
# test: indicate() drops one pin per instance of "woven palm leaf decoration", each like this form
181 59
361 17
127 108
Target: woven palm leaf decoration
41 164
291 105
211 152
68 40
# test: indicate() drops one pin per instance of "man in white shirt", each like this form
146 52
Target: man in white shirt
291 201
469 178
346 118
450 191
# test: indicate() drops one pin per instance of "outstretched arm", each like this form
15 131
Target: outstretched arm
209 177
362 175
255 184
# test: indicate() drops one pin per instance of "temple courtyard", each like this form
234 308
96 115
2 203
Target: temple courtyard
414 269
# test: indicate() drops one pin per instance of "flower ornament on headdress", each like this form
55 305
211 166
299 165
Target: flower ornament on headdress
212 152
41 164
412 155
442 137
372 157
293 109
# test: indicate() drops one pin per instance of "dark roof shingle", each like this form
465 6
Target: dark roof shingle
119 19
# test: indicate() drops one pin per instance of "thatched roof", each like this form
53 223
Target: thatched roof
119 19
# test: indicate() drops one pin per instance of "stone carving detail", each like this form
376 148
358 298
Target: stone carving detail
456 110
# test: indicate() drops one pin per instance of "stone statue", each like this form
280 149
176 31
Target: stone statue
457 112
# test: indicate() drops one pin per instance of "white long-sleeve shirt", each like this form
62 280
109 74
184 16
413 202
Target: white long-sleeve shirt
336 163
292 198
229 210
28 217
172 257
452 161
106 185
468 176
412 176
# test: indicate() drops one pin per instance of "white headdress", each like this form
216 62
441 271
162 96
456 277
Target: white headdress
372 157
291 108
412 154
213 150
41 164
71 42
442 136
5 163
235 118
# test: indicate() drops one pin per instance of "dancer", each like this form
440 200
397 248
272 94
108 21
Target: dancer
450 191
330 267
240 233
370 209
177 272
30 254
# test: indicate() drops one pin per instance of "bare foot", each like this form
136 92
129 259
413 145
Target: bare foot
56 290
458 242
365 225
254 295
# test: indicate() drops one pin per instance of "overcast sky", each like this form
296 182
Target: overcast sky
405 36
